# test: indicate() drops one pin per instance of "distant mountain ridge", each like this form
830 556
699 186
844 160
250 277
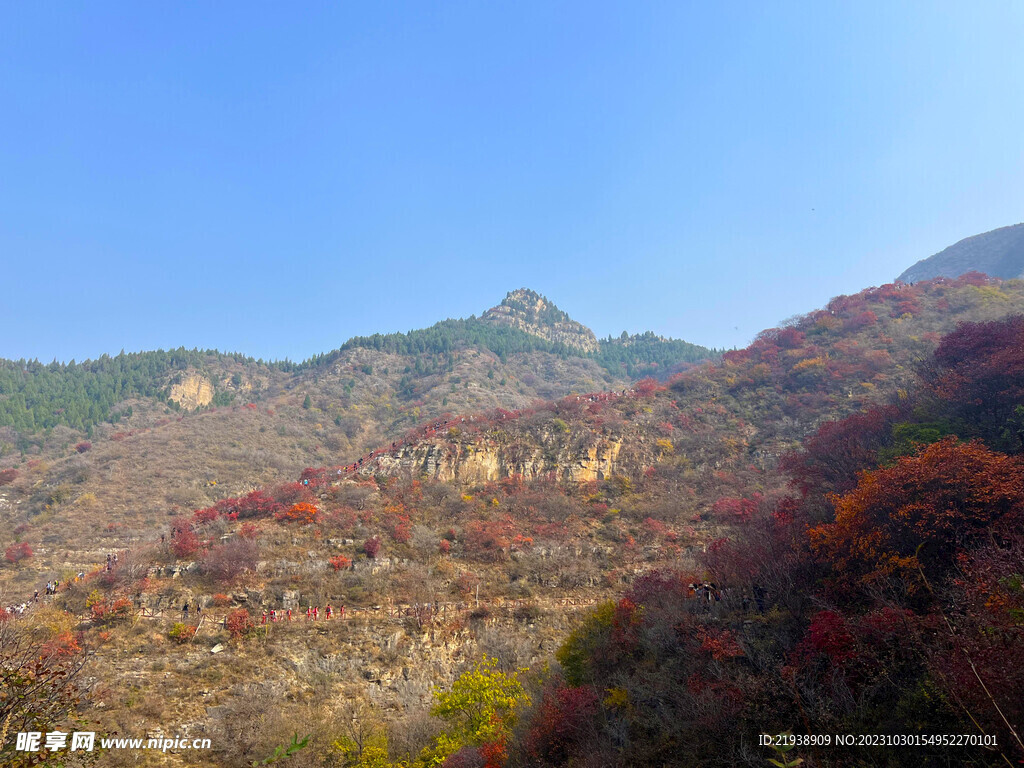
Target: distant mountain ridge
999 253
37 396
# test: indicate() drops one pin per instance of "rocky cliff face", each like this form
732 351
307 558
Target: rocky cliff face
530 312
490 461
193 391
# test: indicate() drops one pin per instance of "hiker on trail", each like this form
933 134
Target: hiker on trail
289 614
264 618
273 616
316 612
309 612
35 597
341 612
328 612
184 610
199 609
759 597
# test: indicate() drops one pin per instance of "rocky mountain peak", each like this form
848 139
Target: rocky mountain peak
534 314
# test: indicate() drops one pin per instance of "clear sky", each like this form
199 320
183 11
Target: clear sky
273 178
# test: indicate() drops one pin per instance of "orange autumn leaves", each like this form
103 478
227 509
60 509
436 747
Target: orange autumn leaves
302 513
919 512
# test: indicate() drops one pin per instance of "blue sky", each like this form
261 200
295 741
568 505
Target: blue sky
274 178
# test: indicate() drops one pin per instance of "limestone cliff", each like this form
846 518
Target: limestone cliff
489 461
192 391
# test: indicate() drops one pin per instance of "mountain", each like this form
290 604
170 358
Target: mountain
530 312
137 436
36 396
999 253
476 532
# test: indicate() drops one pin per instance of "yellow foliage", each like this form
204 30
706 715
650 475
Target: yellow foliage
48 622
617 698
988 293
86 500
817 363
373 753
482 705
665 447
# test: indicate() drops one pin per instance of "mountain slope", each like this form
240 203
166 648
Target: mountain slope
999 253
554 506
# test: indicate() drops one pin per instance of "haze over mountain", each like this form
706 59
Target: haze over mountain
999 253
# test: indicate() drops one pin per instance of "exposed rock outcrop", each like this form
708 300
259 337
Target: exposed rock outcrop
488 462
530 312
193 391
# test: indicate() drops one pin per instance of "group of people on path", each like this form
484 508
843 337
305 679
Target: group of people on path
709 595
312 614
17 609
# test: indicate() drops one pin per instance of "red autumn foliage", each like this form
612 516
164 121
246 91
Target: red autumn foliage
107 611
371 547
184 541
396 521
340 563
920 512
647 387
737 509
833 456
83 446
239 623
257 504
985 635
291 493
207 515
721 644
979 370
15 553
8 476
229 560
489 539
562 726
